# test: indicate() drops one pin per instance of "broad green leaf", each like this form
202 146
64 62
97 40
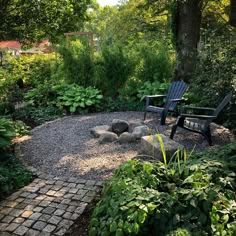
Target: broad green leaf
72 109
113 227
119 232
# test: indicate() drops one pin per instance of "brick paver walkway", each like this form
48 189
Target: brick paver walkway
47 206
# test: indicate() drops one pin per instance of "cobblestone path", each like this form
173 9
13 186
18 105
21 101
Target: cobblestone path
48 206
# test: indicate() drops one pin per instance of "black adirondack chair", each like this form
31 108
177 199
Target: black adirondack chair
173 96
199 123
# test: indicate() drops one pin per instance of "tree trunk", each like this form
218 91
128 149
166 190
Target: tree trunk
233 12
188 21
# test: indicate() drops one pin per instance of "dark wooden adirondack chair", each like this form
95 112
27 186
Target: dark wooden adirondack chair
199 123
173 96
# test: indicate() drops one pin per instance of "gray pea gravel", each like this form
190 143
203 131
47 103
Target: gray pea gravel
65 147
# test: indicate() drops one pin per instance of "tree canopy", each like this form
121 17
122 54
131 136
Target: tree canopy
32 19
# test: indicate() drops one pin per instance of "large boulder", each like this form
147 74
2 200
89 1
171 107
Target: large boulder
141 131
108 137
119 126
151 146
126 138
97 131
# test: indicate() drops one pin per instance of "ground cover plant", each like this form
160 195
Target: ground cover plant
13 174
194 196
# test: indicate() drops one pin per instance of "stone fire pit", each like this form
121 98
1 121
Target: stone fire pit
121 131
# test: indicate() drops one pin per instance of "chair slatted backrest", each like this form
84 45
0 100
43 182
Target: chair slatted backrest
176 91
222 105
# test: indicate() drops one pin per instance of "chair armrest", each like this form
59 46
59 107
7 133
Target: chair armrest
197 108
177 100
149 97
155 96
197 116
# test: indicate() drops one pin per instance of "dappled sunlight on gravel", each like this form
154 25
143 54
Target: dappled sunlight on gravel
65 147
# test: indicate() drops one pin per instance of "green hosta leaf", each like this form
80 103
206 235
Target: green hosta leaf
89 102
119 232
127 227
136 228
68 103
81 104
151 206
225 218
113 227
141 216
144 208
99 96
72 109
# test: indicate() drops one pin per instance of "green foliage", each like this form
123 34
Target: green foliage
146 198
113 69
77 62
215 74
7 132
42 95
13 175
155 88
20 128
122 104
45 19
77 98
33 70
154 63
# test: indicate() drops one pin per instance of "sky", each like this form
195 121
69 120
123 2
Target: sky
107 2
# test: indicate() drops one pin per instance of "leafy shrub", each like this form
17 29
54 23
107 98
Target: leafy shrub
77 98
42 95
77 62
215 74
122 104
33 70
148 198
20 75
13 175
154 88
20 128
34 116
113 69
154 63
7 132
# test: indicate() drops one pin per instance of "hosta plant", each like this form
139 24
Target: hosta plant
76 98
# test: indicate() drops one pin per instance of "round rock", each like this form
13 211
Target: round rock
126 138
141 131
108 137
119 126
97 131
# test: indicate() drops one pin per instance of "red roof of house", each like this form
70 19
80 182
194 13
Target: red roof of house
10 44
17 45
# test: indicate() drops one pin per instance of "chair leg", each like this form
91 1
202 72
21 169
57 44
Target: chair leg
145 113
163 118
173 130
179 122
207 135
